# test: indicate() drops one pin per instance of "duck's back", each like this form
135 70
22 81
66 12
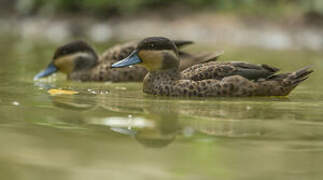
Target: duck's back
117 52
103 71
219 70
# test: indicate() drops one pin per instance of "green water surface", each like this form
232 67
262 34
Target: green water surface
114 131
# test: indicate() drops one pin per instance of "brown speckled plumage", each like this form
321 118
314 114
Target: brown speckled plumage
80 62
103 71
174 83
221 79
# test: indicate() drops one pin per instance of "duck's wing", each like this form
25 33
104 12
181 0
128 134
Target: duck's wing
214 70
118 52
187 60
282 84
182 43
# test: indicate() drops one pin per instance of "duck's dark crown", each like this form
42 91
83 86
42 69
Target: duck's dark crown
156 43
73 47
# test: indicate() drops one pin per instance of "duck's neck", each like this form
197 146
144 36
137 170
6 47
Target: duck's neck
84 67
83 75
155 81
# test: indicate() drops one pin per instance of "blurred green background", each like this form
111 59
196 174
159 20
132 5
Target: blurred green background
275 24
116 7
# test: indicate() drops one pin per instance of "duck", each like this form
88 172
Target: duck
160 57
79 61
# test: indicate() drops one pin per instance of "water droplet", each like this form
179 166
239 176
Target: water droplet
121 88
15 103
93 92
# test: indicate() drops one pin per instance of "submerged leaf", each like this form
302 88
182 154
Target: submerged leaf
61 92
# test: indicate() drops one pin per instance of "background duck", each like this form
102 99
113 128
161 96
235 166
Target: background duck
159 56
79 62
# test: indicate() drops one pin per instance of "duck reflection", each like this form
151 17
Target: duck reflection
152 126
155 122
71 103
158 121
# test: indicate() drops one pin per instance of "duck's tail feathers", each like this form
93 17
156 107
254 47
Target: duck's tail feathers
293 78
182 43
283 84
299 76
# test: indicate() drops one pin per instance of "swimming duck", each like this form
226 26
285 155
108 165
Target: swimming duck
159 56
79 62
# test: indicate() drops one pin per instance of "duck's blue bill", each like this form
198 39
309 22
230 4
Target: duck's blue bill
48 71
132 59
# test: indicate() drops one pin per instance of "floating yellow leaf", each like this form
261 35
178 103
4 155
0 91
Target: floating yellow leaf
60 92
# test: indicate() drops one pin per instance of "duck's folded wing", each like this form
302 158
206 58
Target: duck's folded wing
118 52
187 60
182 43
214 70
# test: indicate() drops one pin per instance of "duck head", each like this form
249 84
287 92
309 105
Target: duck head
71 57
154 53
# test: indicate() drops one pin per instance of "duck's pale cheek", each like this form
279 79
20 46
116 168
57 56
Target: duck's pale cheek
151 59
65 64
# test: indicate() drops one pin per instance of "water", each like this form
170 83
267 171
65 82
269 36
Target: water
114 131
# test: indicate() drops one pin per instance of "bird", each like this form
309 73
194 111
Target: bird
160 57
79 61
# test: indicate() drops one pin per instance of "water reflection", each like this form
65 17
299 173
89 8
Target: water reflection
156 126
156 122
